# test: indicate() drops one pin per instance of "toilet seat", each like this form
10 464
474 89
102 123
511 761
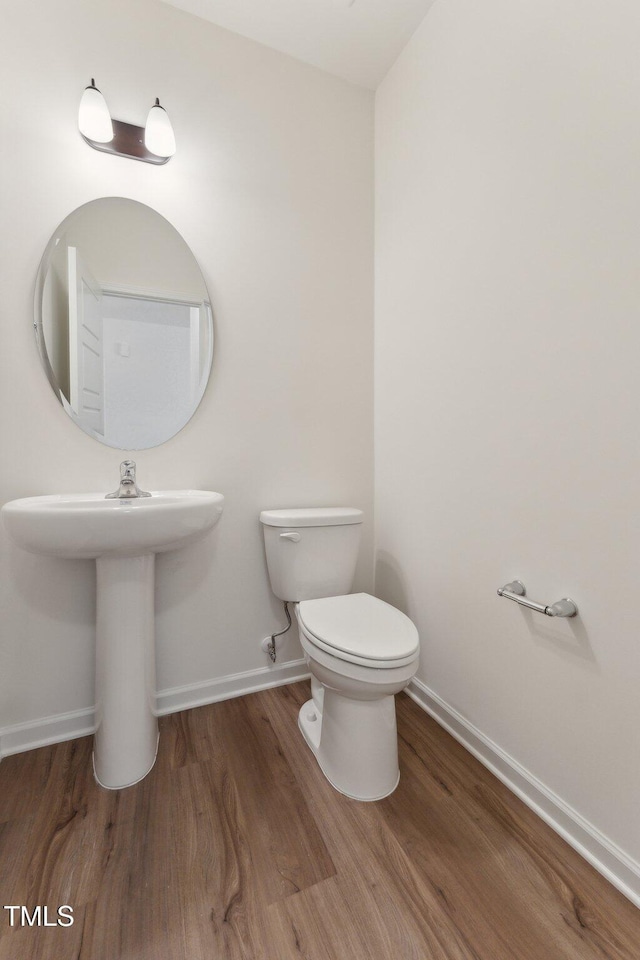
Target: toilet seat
359 628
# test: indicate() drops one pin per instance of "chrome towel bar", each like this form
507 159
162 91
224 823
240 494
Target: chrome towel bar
516 591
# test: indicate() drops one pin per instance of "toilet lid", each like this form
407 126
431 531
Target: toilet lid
360 625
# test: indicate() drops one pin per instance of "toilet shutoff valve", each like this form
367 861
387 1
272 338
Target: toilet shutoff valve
269 643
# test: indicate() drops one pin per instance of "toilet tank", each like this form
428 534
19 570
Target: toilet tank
312 552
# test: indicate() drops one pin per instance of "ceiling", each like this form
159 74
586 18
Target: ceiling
357 40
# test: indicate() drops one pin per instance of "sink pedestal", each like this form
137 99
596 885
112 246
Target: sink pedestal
126 736
123 536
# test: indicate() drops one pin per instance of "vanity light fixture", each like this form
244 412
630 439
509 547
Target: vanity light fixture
154 143
158 132
94 120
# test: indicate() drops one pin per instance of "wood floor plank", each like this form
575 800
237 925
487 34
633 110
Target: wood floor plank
494 890
469 869
40 943
331 920
288 852
186 739
236 847
506 844
547 869
406 914
33 768
184 884
67 838
177 880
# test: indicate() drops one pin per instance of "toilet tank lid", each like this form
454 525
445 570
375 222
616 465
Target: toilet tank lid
311 517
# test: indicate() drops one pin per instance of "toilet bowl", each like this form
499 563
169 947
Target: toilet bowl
361 652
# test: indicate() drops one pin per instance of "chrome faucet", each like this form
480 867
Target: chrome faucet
128 488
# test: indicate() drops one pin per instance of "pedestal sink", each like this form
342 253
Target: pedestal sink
122 536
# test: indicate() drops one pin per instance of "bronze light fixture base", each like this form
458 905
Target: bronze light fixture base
128 141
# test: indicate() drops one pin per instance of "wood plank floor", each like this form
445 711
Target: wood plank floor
235 847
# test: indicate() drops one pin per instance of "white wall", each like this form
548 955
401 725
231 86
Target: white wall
507 350
272 189
128 245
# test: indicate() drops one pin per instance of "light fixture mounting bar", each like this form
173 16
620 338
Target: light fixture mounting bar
128 141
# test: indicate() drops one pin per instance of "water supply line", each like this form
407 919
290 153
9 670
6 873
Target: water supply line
271 646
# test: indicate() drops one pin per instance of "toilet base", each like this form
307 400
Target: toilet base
355 743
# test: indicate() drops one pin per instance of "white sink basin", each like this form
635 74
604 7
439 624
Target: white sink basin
122 536
86 526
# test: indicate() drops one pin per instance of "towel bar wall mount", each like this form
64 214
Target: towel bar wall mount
516 591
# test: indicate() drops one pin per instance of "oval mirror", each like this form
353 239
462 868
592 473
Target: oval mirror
123 323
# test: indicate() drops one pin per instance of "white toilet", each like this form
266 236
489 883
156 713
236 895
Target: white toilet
361 651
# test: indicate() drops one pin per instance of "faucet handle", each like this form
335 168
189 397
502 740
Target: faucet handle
128 470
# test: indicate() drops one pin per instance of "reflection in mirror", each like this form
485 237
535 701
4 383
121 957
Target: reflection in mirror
124 323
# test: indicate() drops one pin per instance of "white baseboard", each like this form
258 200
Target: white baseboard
607 858
234 685
40 733
81 723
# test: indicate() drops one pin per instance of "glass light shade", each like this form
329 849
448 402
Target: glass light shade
158 132
94 119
